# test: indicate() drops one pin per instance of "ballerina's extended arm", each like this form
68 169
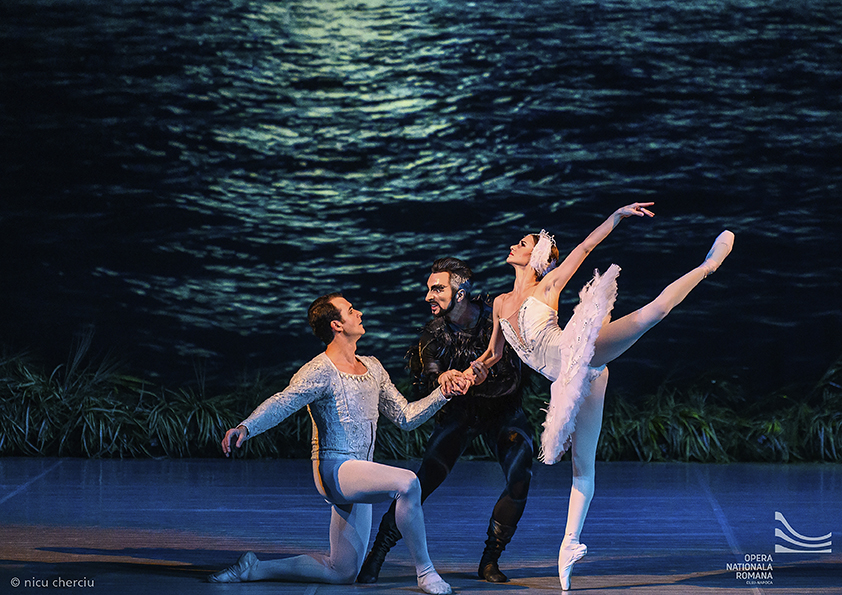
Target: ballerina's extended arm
554 281
496 343
551 285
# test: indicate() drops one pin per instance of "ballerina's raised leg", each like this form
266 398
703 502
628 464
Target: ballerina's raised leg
618 335
613 340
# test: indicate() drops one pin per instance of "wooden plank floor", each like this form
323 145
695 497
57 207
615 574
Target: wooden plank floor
143 526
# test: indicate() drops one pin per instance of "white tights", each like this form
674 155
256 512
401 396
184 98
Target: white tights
583 454
613 340
363 483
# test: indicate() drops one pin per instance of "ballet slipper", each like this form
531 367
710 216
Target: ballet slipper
568 555
236 573
431 582
721 248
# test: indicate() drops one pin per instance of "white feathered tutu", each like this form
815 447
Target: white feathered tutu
596 299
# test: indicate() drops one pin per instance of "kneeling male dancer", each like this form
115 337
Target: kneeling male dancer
344 394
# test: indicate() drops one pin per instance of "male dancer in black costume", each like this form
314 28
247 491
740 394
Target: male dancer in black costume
456 336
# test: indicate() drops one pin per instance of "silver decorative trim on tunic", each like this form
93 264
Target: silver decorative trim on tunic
343 408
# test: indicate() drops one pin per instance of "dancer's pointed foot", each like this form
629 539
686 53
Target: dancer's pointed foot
431 582
721 248
568 555
238 573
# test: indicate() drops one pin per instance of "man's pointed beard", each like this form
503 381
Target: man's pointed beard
448 310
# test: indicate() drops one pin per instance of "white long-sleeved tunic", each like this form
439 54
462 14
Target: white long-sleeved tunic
343 407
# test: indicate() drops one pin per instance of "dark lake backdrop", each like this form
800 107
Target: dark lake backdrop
182 178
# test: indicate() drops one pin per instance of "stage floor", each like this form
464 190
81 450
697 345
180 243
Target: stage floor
146 526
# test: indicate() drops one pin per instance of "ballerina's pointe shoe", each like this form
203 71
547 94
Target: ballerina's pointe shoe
722 246
567 556
237 573
431 582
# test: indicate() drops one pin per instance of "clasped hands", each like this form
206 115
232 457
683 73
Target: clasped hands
454 382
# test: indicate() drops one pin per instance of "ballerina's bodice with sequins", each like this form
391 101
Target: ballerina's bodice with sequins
539 342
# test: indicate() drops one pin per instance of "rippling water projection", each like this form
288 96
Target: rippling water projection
184 178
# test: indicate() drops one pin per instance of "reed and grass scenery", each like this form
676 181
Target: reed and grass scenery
90 409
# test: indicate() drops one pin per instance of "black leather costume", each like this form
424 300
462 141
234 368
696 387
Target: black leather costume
492 409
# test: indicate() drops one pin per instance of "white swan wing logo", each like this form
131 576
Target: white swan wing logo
795 543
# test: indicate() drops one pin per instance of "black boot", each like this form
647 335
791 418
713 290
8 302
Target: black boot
387 536
498 538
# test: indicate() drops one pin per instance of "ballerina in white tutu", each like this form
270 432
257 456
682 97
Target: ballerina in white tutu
575 358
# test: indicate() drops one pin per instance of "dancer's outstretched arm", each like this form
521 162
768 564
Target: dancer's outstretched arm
494 353
552 284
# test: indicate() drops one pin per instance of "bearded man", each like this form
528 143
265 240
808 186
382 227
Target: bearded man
458 333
